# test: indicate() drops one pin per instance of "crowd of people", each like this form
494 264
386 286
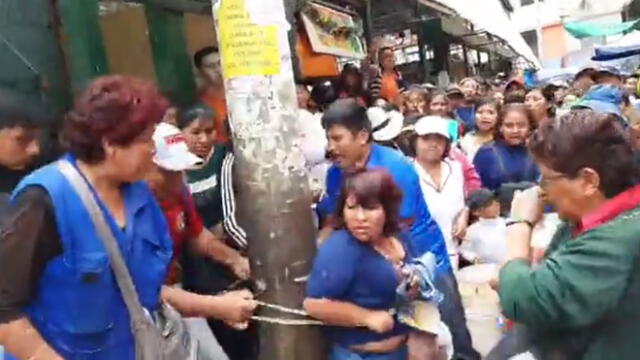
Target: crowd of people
542 182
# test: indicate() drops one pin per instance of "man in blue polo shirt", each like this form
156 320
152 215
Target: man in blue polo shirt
349 134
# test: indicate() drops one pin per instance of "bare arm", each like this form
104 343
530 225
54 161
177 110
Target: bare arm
209 245
326 230
23 341
460 224
519 240
233 306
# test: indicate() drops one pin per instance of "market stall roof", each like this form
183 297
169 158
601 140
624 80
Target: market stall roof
490 23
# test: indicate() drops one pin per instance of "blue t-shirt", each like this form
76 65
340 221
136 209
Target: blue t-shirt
348 270
517 165
425 233
467 115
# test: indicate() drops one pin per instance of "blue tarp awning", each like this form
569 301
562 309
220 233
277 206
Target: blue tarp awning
607 53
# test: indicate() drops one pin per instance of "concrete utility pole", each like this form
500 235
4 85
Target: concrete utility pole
275 201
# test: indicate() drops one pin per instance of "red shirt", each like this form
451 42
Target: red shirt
183 220
609 210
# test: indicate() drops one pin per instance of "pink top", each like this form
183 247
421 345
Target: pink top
472 180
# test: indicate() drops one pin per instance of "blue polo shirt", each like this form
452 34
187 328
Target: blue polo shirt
425 233
365 278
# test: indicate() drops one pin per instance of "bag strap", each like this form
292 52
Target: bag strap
123 278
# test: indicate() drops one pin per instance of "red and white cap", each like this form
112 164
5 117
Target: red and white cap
172 152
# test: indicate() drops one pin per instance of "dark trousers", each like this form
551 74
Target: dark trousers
203 276
452 313
238 345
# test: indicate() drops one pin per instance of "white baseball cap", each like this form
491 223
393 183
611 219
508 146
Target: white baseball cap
172 152
385 125
433 125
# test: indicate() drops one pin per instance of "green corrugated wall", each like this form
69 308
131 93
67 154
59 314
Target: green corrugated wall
31 28
28 26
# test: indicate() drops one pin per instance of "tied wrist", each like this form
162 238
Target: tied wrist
518 220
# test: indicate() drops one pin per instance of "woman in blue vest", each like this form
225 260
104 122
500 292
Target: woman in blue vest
62 301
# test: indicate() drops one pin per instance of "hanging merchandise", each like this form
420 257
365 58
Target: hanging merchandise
581 30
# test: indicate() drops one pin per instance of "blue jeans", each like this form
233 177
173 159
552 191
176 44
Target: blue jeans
452 314
341 353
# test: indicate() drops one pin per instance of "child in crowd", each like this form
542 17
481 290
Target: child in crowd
485 241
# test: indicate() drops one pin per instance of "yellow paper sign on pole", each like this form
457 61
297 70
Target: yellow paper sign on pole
247 49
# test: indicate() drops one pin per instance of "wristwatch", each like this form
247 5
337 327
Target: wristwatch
511 222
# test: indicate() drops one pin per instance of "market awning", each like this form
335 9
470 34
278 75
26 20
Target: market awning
627 46
581 30
491 26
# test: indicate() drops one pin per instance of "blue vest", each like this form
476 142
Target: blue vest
78 308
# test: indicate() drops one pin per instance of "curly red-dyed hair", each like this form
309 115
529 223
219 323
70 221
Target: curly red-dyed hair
114 109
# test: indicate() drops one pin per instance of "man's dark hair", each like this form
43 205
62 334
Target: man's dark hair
514 98
480 199
19 110
587 139
323 94
199 56
192 113
493 102
347 113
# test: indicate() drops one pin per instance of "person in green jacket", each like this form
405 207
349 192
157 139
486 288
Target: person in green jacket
583 300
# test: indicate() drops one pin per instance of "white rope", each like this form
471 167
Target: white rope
290 322
282 308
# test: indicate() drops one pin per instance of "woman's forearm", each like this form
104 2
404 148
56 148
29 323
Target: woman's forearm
21 339
337 313
190 304
208 245
234 306
518 241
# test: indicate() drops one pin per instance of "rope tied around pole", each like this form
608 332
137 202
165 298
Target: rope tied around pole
291 322
283 321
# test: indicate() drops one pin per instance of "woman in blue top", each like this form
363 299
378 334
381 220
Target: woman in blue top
506 160
357 270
